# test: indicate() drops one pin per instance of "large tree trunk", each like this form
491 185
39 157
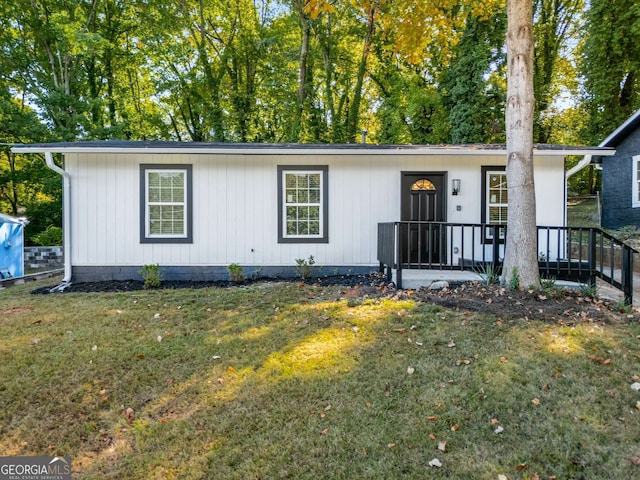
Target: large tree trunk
521 257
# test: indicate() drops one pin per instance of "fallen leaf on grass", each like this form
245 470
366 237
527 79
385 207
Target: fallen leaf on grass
600 360
327 408
635 387
324 432
435 463
140 356
502 477
442 446
463 362
391 445
521 467
635 460
410 370
400 330
451 344
535 401
499 429
455 427
495 421
432 436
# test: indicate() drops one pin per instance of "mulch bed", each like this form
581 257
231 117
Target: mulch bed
557 306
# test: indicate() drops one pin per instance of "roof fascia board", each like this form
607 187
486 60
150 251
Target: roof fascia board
302 151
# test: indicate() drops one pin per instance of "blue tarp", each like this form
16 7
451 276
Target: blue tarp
11 246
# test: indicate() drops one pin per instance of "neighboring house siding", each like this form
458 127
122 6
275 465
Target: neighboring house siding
617 177
235 206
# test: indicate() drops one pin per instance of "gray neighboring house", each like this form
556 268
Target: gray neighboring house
621 176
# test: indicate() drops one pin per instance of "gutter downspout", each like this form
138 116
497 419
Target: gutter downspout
66 219
580 166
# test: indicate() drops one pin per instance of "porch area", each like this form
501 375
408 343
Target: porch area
416 253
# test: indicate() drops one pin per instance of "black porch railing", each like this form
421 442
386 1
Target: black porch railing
564 253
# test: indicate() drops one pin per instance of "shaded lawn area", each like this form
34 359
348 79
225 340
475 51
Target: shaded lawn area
294 381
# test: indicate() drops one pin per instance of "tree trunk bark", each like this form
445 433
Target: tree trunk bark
302 77
521 257
353 116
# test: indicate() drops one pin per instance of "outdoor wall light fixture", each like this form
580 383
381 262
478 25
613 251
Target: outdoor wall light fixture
455 186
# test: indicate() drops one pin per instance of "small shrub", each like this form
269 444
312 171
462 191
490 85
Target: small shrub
548 283
236 273
152 275
51 237
589 291
257 273
489 272
514 280
304 267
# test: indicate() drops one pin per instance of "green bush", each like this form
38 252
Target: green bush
236 273
152 275
51 237
304 267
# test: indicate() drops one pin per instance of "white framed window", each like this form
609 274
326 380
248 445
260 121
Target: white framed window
302 204
635 186
495 200
497 197
165 197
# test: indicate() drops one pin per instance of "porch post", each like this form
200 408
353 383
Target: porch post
592 257
398 256
627 274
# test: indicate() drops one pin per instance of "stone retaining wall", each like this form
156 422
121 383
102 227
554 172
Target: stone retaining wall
43 258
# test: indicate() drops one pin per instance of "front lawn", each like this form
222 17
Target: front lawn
284 380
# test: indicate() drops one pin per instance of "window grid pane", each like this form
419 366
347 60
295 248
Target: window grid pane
166 203
497 201
302 204
637 162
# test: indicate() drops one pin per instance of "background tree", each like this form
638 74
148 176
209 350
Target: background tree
555 26
611 65
474 103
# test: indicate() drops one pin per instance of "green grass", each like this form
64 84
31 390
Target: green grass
288 381
583 212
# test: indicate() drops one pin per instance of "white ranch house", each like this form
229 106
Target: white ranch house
195 208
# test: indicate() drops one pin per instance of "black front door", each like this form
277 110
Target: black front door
423 200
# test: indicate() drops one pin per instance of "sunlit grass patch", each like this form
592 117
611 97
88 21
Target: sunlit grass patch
294 381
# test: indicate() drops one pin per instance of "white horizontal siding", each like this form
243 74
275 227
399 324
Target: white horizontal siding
235 202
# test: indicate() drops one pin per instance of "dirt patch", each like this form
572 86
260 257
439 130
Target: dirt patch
15 310
556 305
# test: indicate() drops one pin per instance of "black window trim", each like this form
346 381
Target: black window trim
324 210
188 201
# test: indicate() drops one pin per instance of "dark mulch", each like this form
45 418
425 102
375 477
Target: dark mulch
555 305
371 280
